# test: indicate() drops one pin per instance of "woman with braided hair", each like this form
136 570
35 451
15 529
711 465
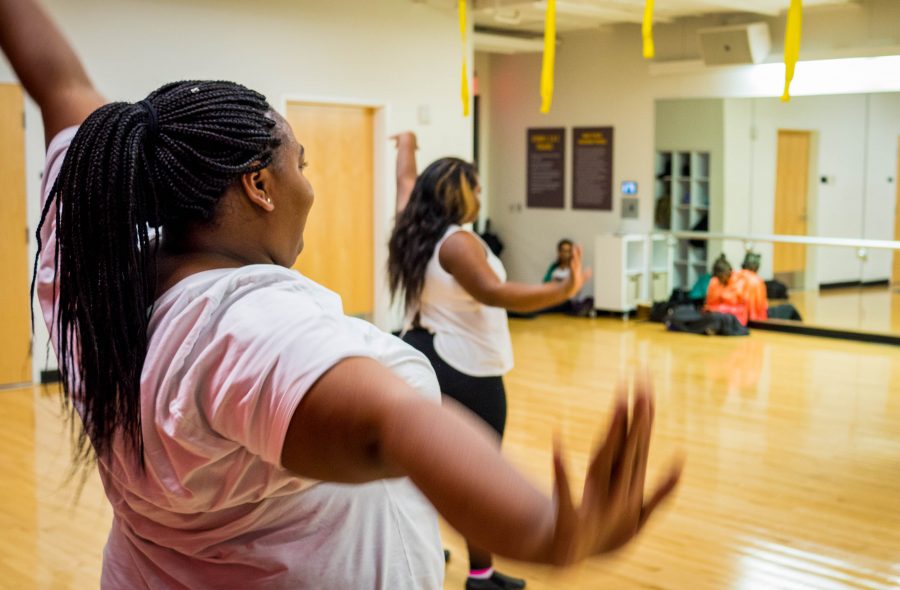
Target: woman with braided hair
248 434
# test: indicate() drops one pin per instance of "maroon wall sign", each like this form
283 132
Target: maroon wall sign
546 168
592 163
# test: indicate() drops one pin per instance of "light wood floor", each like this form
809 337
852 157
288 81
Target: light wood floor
792 480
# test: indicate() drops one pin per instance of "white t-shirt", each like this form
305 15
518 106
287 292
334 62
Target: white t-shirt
471 337
231 354
561 274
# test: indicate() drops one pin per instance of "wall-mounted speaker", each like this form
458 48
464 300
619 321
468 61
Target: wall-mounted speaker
737 44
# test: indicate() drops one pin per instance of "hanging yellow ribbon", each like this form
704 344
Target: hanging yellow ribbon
792 45
647 31
463 27
549 57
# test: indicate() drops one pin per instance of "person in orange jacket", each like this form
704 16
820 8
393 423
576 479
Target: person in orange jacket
727 291
757 300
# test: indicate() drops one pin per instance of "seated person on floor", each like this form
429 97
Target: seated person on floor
559 269
559 272
727 291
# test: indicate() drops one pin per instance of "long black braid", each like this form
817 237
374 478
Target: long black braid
438 200
131 171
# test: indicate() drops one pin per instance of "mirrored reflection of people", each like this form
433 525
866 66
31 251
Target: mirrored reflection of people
758 299
755 295
727 291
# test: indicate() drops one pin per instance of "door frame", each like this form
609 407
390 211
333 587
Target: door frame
382 190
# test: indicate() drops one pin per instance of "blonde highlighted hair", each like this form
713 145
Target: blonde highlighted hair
444 194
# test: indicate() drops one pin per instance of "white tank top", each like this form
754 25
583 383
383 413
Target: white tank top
471 337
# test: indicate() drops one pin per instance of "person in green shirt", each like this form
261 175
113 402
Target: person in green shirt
559 269
559 272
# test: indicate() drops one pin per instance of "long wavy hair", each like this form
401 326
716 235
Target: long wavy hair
444 194
131 170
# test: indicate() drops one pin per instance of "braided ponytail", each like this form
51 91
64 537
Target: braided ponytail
133 169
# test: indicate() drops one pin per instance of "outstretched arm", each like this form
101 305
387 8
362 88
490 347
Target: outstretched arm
463 256
46 66
360 422
406 167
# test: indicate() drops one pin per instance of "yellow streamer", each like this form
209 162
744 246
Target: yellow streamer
549 57
792 45
463 27
647 31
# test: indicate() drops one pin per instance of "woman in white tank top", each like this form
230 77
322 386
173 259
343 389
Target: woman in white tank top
457 296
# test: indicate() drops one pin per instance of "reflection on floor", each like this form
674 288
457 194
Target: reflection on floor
793 457
792 480
866 309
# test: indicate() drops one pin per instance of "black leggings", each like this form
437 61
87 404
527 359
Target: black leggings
485 396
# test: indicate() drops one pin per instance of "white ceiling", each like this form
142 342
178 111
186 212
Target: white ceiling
573 15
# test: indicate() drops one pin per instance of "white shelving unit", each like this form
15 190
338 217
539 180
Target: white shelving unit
620 272
630 269
684 178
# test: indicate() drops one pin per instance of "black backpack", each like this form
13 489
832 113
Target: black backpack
776 290
659 312
687 318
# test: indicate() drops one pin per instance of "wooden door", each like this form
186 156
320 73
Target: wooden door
791 196
15 327
339 239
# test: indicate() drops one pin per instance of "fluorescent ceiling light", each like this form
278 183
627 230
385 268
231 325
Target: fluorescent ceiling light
837 76
855 75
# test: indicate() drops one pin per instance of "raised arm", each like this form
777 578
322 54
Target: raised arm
46 66
406 167
360 422
463 256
